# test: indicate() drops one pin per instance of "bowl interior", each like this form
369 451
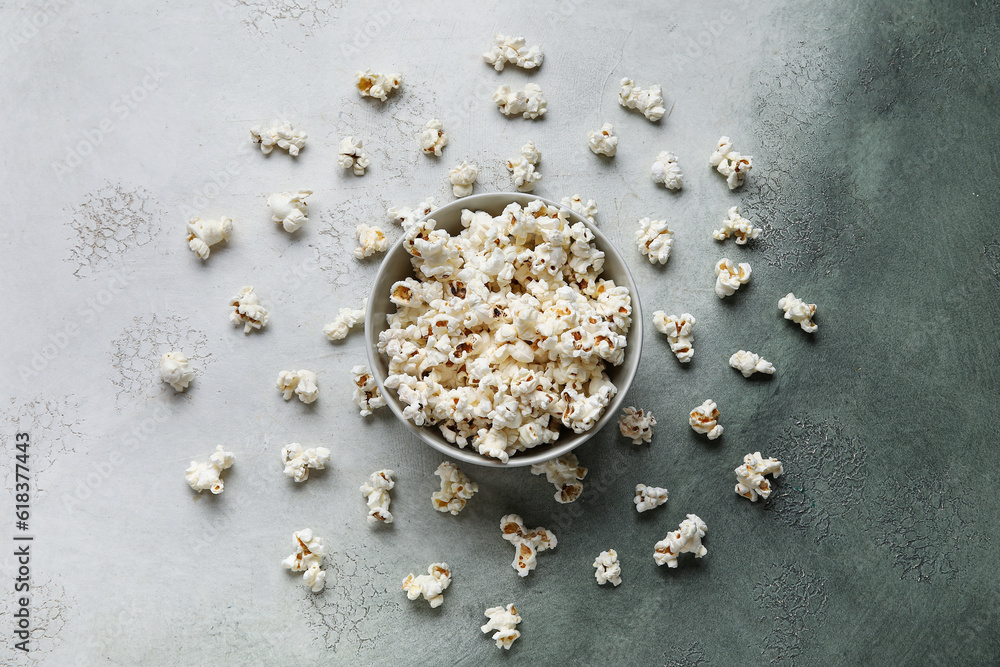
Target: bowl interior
396 266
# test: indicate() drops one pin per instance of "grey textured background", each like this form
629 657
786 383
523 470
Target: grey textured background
873 126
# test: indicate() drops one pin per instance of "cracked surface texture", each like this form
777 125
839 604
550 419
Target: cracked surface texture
873 130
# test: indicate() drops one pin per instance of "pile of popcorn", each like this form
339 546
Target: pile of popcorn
505 333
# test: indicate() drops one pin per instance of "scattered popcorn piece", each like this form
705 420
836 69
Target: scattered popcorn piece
201 476
366 392
289 209
282 135
608 568
749 363
588 210
175 370
432 138
510 49
741 229
205 233
407 217
530 102
504 621
523 168
686 539
649 101
376 489
528 543
378 86
431 585
603 141
666 170
654 240
729 277
346 318
731 164
370 241
648 497
505 330
247 310
565 474
704 419
798 311
352 156
456 489
679 332
462 179
300 383
637 425
298 461
750 476
308 559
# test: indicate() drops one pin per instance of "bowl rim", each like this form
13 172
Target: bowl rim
524 458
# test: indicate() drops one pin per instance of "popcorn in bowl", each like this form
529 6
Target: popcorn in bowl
503 337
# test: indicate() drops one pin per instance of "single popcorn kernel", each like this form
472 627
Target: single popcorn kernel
637 425
433 138
205 233
704 419
298 461
530 102
282 135
648 497
289 209
300 383
750 476
379 86
686 539
504 621
431 585
749 363
346 319
456 489
247 310
741 229
729 277
730 164
308 559
370 241
654 240
565 474
351 155
376 490
665 170
679 332
798 311
366 392
527 543
522 168
603 141
649 101
608 568
462 178
201 476
175 370
510 49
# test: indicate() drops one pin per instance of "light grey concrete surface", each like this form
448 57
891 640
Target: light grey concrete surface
873 128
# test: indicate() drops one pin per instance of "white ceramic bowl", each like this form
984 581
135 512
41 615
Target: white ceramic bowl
396 266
